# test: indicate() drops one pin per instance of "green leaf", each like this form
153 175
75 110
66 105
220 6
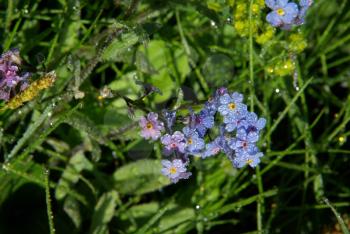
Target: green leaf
71 174
166 63
175 219
140 177
120 46
104 212
71 207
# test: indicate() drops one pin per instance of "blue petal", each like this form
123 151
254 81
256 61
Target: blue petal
223 109
208 121
237 97
281 3
270 3
241 134
261 123
274 19
305 3
230 127
291 12
225 99
252 117
253 137
186 131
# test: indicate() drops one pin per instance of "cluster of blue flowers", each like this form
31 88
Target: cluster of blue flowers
238 132
285 14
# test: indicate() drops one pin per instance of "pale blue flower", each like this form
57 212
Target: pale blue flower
231 104
150 126
194 144
253 127
284 12
173 143
240 160
175 170
236 121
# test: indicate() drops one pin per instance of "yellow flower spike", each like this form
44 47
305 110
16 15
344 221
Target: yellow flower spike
31 91
297 42
342 140
241 11
270 70
255 9
261 3
284 68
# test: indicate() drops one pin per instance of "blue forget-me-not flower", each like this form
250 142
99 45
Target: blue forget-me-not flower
194 144
284 12
175 170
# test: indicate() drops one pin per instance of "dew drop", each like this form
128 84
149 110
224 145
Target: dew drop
49 114
198 207
342 139
5 167
277 90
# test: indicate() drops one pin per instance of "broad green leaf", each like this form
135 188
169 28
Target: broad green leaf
144 210
71 207
103 213
168 65
140 177
175 220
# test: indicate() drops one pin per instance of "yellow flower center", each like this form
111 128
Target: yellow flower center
190 141
149 125
172 170
250 161
281 12
231 106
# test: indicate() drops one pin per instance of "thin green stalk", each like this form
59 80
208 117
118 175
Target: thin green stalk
8 15
8 42
285 111
260 201
188 53
30 131
341 222
251 58
48 203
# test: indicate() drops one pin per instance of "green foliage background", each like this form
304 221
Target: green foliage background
78 165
